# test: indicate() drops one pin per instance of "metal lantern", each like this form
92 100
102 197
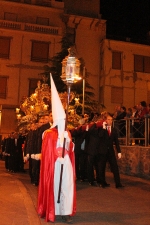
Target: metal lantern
70 68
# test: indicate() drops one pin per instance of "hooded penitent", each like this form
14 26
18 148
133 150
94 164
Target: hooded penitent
58 112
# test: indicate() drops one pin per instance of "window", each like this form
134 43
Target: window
10 16
146 64
116 60
71 34
117 95
3 87
42 21
40 51
32 85
4 47
141 63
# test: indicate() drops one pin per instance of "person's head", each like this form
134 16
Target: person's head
134 108
15 135
109 120
129 110
143 104
40 121
32 126
104 115
123 109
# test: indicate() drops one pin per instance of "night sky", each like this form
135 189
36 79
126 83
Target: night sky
126 18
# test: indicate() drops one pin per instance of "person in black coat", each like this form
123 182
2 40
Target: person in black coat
79 135
36 156
28 147
108 137
47 124
16 153
122 122
91 148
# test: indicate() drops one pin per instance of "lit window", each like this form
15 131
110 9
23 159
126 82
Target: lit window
3 87
5 47
40 51
116 60
117 95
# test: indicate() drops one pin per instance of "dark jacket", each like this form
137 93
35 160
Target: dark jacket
79 136
107 142
93 140
39 136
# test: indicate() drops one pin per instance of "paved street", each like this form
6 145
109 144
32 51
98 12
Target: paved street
97 206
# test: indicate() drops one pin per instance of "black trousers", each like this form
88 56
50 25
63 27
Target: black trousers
102 160
35 171
91 165
81 165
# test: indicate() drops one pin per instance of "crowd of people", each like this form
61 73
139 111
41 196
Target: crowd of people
19 149
12 150
135 115
94 139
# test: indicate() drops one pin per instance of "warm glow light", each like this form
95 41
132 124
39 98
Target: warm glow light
18 116
76 100
70 68
45 107
17 110
32 108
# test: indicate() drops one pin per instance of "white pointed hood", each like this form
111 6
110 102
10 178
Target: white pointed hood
58 112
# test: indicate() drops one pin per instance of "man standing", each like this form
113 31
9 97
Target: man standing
108 137
52 162
28 148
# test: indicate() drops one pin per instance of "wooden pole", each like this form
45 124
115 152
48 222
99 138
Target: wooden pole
64 143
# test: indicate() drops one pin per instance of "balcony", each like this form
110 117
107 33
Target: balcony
133 130
27 27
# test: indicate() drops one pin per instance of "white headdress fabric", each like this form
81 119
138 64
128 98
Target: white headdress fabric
58 112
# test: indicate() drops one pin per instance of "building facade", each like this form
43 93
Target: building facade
30 34
125 74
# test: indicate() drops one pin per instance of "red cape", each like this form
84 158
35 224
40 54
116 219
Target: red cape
46 206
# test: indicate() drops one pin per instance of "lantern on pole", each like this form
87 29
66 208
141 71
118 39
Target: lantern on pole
70 75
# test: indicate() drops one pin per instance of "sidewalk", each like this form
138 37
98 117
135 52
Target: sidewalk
95 206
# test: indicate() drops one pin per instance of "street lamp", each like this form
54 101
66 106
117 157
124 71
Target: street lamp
70 75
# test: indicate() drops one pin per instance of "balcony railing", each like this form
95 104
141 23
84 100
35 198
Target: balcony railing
35 28
133 131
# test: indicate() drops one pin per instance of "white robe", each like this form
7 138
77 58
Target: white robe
67 187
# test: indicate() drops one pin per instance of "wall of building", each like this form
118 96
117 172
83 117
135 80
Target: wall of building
89 33
19 68
135 85
135 161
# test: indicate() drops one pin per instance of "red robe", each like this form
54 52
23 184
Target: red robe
46 204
